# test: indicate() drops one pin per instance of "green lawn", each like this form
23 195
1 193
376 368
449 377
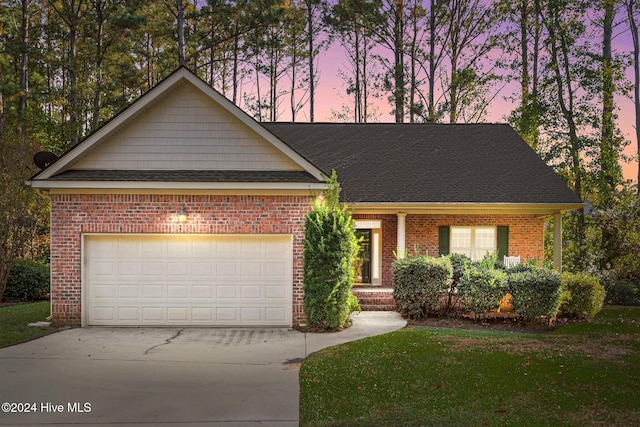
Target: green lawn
15 318
579 375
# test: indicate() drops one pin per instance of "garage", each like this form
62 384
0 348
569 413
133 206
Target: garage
187 280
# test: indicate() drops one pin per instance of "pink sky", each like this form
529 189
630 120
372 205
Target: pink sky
331 94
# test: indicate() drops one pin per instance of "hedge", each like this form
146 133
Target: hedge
28 281
536 293
586 297
482 288
418 284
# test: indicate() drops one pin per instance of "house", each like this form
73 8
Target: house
183 210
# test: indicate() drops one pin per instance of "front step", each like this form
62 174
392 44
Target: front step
374 299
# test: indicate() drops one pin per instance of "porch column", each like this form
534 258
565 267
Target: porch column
557 241
401 234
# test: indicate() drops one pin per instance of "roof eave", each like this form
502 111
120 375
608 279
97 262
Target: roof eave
542 209
164 185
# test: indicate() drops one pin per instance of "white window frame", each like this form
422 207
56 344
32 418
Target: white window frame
474 251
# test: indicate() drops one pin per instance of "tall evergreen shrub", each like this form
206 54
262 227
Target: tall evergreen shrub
330 248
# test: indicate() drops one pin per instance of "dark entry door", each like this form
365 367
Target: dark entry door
363 267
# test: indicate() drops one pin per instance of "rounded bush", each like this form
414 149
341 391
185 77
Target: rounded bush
536 293
586 295
482 288
28 281
621 292
419 283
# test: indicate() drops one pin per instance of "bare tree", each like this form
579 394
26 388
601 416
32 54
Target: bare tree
469 26
71 12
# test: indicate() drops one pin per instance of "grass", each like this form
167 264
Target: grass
15 318
579 375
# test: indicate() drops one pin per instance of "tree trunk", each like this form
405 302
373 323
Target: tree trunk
608 156
633 26
312 86
432 61
535 139
568 113
358 98
73 85
24 63
180 23
524 53
98 5
398 34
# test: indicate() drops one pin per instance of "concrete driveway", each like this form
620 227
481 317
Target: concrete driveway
166 376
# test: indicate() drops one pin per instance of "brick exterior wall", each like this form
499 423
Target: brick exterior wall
526 234
74 214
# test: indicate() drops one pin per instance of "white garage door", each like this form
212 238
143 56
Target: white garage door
198 280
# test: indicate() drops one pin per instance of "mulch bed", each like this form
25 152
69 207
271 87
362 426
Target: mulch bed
493 321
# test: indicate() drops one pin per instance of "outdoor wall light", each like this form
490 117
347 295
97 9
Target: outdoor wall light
182 215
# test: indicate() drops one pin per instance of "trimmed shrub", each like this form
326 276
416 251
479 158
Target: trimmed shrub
330 247
586 295
419 283
459 263
536 293
621 292
482 288
28 281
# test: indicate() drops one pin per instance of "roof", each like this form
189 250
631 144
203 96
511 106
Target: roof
381 163
427 163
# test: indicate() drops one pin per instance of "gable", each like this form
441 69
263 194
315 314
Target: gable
185 130
182 134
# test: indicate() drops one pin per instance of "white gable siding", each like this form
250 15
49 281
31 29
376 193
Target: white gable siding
186 130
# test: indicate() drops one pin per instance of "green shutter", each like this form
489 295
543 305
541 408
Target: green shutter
443 239
503 242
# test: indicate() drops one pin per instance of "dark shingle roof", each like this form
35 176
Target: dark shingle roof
439 163
185 176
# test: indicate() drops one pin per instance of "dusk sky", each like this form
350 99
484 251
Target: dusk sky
331 94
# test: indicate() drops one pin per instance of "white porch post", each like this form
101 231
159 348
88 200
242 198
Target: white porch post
401 235
557 241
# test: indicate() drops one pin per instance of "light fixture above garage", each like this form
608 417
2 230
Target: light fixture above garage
182 215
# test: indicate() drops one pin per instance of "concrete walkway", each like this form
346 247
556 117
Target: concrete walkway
166 376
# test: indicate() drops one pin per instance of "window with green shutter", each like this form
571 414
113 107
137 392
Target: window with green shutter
443 239
503 241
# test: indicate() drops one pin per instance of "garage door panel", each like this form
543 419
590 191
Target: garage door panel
251 269
227 292
178 292
188 280
251 292
128 291
203 292
275 314
152 292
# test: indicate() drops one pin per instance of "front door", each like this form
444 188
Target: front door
363 263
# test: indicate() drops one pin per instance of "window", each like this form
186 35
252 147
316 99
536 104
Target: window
474 242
